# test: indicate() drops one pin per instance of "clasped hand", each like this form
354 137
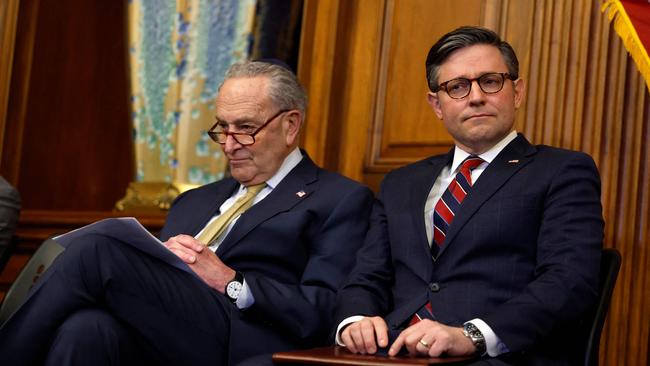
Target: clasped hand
201 260
425 338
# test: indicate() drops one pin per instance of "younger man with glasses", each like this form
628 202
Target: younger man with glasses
269 274
492 249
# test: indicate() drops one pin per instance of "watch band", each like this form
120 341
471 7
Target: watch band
474 334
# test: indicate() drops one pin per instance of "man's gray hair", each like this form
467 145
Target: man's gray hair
464 37
284 89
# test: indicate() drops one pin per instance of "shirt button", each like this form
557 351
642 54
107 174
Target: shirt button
434 287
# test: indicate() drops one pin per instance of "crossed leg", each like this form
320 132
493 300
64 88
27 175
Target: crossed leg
178 319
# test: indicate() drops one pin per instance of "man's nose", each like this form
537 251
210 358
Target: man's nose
476 94
231 144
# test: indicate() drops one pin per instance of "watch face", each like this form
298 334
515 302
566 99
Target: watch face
233 288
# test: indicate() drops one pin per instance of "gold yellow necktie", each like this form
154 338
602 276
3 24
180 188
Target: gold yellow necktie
217 227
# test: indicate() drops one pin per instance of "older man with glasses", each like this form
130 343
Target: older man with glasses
271 245
492 249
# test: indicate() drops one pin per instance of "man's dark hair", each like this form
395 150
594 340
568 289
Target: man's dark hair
464 37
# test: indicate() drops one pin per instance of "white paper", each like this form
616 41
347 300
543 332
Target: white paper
127 230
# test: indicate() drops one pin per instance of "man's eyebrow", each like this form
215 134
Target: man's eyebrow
464 75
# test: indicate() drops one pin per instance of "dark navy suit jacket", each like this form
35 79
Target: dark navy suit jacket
522 253
295 248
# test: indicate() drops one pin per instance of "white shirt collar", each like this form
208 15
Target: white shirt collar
460 155
290 162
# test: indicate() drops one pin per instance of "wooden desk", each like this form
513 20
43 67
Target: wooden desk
341 356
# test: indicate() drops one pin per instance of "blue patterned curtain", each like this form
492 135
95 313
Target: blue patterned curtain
179 51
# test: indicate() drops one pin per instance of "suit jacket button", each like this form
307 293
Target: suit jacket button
434 287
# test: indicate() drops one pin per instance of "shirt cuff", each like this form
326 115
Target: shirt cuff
493 344
342 325
245 299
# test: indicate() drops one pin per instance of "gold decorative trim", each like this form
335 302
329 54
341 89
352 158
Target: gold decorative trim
150 196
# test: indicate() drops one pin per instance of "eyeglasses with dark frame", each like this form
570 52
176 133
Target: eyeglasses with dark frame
242 138
489 83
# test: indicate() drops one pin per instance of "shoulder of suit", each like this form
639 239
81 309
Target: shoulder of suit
553 159
338 181
417 166
558 152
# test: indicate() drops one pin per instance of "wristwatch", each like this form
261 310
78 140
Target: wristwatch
474 334
234 286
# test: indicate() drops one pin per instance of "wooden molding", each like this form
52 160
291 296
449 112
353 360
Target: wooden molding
12 143
315 68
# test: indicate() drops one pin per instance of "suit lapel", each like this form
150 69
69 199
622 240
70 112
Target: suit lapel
423 181
511 159
294 188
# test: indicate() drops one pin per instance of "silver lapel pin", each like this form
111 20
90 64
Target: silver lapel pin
300 194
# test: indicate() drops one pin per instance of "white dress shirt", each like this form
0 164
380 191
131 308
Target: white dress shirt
494 345
245 298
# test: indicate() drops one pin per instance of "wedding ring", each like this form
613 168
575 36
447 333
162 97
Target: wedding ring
425 344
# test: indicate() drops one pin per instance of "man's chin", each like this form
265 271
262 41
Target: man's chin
246 176
241 175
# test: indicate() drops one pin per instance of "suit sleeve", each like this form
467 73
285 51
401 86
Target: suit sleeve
568 257
305 310
367 290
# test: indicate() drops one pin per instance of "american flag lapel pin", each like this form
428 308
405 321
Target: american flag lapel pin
301 194
514 161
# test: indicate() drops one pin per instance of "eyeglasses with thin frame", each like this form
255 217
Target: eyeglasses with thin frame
218 135
489 83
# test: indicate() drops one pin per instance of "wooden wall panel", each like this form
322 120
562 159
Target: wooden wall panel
68 131
584 92
344 59
8 20
357 70
320 23
18 83
408 126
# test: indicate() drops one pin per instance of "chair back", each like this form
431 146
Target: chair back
610 263
37 264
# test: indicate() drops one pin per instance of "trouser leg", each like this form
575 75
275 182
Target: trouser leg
94 337
179 317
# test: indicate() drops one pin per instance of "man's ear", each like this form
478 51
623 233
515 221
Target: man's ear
434 101
291 126
520 92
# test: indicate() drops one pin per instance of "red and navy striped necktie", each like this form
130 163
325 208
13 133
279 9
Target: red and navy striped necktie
449 203
443 215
